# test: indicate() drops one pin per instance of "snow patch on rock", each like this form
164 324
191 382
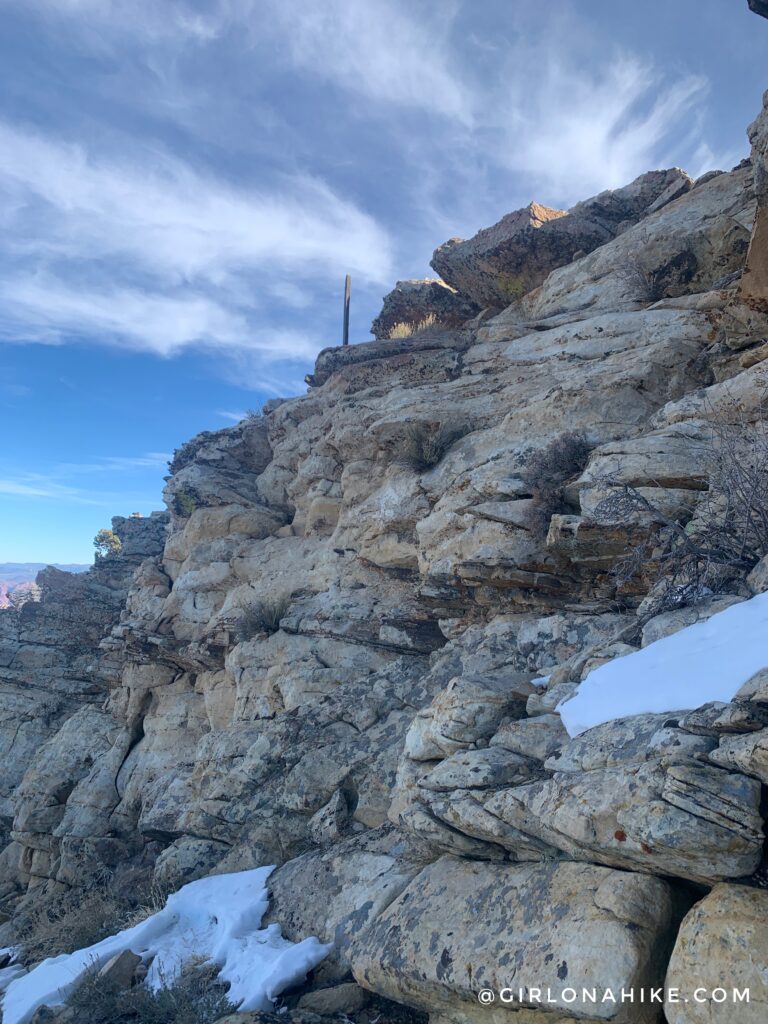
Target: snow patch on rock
708 661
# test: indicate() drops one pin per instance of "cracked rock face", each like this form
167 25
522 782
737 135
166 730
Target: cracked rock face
347 662
502 263
47 656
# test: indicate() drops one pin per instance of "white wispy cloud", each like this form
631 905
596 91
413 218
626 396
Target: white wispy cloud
65 482
382 50
176 221
35 487
110 463
202 252
123 241
583 130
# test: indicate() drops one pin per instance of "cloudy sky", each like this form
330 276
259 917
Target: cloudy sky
183 186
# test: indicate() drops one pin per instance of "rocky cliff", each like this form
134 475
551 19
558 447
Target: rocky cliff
342 650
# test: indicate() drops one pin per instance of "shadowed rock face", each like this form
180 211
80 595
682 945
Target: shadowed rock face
502 263
414 302
754 284
759 7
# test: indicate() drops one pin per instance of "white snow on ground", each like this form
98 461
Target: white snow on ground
11 970
705 662
217 918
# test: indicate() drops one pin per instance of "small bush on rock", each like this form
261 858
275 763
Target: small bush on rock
107 543
262 616
184 503
547 471
195 997
719 540
422 447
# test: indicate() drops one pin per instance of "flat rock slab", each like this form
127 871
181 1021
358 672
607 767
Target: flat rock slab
463 926
687 820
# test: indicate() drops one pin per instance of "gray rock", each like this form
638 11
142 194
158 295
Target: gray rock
412 302
480 769
502 263
671 622
119 970
747 754
337 894
757 581
688 820
536 737
461 927
468 711
628 741
722 945
346 998
755 690
716 718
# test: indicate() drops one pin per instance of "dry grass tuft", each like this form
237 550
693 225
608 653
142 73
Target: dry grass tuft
422 447
404 329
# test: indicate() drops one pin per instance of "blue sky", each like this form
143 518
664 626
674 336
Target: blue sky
183 186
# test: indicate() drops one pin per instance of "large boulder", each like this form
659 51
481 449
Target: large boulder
463 928
415 302
722 947
687 820
337 894
502 263
684 247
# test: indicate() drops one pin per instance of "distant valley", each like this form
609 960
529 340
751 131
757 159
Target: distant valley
12 574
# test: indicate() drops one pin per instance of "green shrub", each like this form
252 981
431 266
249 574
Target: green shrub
422 447
195 997
261 616
107 543
185 502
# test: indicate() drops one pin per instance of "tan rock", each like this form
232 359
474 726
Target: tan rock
119 970
462 927
346 998
722 946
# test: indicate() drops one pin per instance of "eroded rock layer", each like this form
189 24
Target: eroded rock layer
345 653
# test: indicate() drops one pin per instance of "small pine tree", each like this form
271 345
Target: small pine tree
107 543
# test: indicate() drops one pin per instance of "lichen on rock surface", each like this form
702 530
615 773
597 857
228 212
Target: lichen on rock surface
330 659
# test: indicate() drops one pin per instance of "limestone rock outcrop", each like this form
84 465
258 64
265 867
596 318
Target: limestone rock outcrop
547 932
49 650
416 302
754 286
344 656
502 263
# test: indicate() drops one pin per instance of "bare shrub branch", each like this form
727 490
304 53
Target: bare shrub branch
727 533
547 471
422 447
